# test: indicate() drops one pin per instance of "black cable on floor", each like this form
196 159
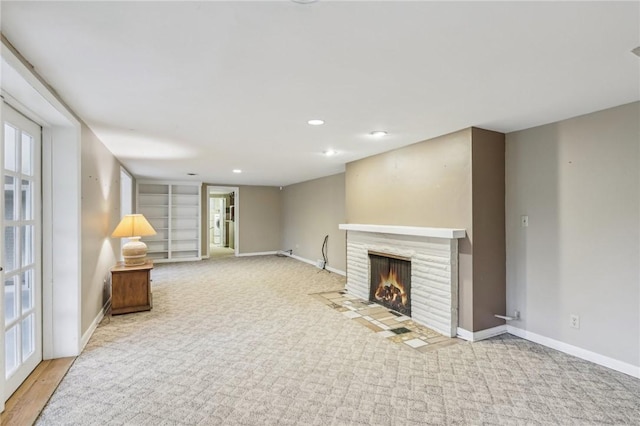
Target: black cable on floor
324 252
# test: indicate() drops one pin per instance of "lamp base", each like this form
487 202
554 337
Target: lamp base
134 252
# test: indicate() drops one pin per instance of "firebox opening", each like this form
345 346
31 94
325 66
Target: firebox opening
390 282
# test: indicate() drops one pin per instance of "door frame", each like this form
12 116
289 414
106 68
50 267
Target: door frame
61 221
215 189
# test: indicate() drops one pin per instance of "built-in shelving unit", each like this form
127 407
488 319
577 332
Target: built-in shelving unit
173 209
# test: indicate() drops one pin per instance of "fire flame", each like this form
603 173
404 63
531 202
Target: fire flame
391 291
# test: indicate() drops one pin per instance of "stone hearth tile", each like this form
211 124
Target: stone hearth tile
367 324
382 326
373 311
359 305
401 330
384 322
416 343
382 315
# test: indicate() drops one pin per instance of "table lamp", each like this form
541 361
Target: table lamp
134 226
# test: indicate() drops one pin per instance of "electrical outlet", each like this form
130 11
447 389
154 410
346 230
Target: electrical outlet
516 315
320 263
524 221
574 321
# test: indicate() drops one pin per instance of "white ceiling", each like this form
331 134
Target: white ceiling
206 87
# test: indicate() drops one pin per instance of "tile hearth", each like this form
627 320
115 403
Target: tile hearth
385 322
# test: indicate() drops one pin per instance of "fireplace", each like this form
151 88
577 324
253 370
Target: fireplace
390 281
432 283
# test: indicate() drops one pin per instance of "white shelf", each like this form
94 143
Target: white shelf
173 209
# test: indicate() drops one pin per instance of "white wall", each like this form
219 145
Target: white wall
578 181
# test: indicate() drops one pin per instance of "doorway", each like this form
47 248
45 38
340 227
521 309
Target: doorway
222 223
21 270
217 229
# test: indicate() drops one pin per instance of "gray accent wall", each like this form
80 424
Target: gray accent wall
578 181
488 185
100 205
311 210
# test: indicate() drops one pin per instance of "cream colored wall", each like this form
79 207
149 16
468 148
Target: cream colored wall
424 184
259 210
100 206
311 210
578 180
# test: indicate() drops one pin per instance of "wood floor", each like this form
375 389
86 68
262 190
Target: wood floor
27 402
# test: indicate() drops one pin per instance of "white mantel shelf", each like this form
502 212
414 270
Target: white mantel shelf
450 233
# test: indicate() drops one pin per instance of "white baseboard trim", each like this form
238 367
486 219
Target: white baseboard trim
475 336
311 262
261 253
605 361
87 334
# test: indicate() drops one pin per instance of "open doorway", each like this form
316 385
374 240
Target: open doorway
222 223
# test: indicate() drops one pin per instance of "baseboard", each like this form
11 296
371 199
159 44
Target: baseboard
605 361
177 259
475 336
87 335
311 262
261 253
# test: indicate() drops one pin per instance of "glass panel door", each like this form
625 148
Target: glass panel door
20 253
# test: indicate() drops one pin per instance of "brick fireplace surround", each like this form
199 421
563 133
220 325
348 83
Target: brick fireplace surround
434 268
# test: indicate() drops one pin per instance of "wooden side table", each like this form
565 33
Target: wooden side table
131 288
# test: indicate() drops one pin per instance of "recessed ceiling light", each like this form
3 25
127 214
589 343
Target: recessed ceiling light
378 133
192 174
316 122
304 1
330 152
237 171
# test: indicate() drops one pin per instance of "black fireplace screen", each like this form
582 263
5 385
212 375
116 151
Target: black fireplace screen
390 282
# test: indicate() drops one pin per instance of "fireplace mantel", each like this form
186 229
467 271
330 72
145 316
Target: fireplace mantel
450 233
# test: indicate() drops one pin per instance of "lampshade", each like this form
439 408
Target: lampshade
134 226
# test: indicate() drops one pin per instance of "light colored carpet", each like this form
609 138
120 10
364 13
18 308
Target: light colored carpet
240 341
218 252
